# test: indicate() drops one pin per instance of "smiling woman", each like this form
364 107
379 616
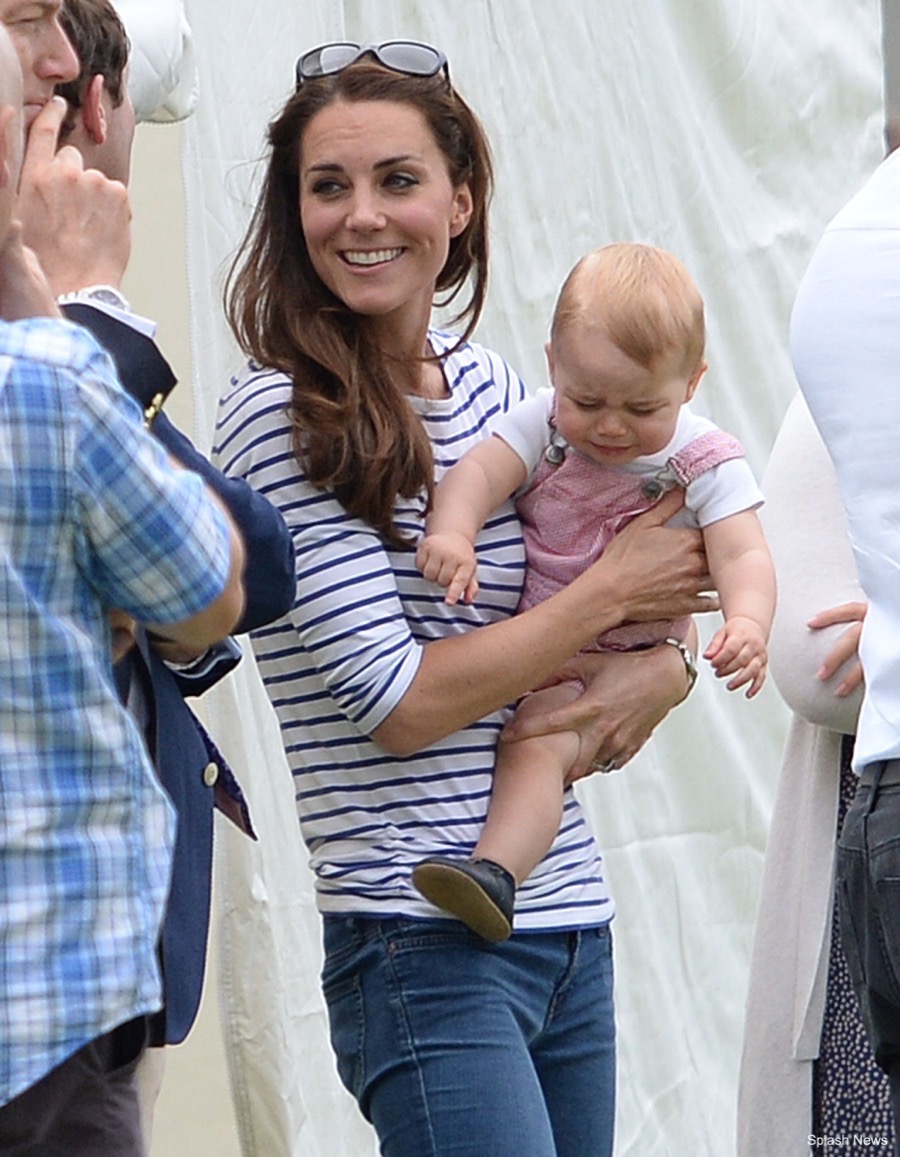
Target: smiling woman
390 701
379 210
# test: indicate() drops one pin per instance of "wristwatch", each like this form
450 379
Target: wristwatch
102 294
690 662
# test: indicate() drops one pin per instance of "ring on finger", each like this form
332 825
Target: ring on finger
604 766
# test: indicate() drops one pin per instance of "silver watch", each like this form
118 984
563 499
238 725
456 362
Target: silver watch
690 662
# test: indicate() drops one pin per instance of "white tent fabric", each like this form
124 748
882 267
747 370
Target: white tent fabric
162 80
728 131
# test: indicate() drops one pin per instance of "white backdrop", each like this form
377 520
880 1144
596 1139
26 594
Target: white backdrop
728 131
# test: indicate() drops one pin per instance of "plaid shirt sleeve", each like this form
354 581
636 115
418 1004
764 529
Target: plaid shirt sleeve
155 545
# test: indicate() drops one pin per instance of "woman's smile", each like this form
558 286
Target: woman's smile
370 257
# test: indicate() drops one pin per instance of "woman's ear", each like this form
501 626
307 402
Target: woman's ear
462 210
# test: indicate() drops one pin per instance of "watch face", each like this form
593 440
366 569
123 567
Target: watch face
107 297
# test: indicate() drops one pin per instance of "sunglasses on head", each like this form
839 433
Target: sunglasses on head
406 56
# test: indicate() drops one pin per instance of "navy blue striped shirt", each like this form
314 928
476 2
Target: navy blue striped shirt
341 661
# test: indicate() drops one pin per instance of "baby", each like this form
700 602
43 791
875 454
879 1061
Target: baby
626 354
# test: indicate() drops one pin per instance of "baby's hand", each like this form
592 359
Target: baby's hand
448 559
739 649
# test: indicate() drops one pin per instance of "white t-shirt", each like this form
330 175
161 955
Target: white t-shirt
845 342
718 493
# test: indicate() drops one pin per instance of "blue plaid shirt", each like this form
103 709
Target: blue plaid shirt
91 517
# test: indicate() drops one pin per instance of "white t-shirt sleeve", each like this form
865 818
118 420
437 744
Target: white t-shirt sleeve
525 428
723 491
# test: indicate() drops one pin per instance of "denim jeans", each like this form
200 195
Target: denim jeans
868 878
454 1047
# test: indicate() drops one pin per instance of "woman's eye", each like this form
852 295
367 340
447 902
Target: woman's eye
326 186
400 181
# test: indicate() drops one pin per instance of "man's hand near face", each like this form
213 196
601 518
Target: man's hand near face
76 220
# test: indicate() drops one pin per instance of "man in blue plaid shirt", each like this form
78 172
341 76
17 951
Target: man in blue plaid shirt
93 517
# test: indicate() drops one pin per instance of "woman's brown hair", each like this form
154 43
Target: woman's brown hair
354 430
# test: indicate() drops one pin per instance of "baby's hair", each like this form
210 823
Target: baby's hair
643 297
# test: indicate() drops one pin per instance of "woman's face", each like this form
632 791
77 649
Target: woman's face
377 207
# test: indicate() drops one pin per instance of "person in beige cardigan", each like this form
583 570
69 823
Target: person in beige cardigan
814 664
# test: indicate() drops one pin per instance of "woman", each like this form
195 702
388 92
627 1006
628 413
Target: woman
807 1069
391 702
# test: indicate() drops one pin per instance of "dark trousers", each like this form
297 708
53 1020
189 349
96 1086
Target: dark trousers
85 1107
868 879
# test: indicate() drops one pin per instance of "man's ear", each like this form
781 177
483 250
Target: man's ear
93 113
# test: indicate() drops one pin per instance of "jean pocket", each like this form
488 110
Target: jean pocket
850 936
343 999
887 889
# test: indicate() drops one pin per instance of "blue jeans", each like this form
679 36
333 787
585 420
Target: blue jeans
868 879
453 1046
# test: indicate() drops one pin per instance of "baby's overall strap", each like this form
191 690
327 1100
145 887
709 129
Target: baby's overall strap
704 453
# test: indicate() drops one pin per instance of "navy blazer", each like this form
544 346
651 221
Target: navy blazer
187 762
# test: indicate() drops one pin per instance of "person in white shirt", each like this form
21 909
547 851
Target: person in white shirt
845 342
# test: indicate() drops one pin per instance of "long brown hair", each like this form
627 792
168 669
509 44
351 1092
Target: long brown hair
354 430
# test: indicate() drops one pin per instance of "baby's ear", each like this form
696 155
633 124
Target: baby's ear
548 350
694 381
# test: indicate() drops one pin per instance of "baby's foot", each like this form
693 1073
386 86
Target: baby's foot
481 893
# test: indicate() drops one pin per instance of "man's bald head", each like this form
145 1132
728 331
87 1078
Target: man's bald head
11 129
10 72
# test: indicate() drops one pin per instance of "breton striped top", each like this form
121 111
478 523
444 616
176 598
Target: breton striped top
342 659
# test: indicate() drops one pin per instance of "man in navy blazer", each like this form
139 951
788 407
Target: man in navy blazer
190 767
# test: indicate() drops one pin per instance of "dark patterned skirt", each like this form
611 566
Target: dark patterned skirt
851 1098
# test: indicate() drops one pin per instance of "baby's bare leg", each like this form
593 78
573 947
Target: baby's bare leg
523 819
526 801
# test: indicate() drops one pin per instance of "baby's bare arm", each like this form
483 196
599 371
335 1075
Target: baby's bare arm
463 500
741 565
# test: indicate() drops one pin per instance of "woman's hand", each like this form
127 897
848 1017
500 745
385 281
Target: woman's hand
661 571
846 650
626 696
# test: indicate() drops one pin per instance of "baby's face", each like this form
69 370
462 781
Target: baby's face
608 407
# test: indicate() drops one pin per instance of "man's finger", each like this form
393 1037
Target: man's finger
44 135
72 158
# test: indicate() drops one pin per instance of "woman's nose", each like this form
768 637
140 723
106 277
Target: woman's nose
364 213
